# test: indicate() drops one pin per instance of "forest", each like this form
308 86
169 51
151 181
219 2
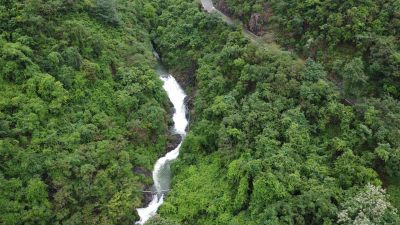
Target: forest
304 134
81 111
273 139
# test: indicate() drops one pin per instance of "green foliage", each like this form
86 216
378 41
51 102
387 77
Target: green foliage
270 140
354 78
149 11
106 11
393 191
16 64
331 30
313 71
370 206
160 221
71 131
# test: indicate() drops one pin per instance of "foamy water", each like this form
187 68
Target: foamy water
162 171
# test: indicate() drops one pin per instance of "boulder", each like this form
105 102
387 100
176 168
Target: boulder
173 142
256 24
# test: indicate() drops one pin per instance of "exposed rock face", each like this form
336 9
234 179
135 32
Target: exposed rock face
223 7
186 78
147 196
258 21
143 171
256 24
173 142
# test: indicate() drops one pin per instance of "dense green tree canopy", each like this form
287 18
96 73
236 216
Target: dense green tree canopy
308 136
272 140
80 108
331 30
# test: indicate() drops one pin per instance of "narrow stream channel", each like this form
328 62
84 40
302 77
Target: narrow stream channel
162 171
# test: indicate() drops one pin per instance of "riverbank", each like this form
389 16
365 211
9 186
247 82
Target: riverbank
270 134
162 171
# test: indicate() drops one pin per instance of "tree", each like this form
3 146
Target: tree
369 206
313 71
157 220
65 148
72 57
15 62
354 78
149 11
106 11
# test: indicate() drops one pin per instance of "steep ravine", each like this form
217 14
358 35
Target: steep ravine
162 172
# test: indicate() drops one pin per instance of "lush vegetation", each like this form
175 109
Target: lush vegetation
337 34
81 109
357 42
272 139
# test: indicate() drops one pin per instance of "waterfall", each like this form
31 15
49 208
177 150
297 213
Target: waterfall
161 171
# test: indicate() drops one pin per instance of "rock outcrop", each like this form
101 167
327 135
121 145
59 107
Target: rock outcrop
256 23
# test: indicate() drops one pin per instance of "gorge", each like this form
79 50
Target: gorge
162 171
297 126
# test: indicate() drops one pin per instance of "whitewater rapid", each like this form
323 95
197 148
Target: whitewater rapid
162 171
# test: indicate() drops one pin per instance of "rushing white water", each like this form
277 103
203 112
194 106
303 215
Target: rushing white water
161 171
177 97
